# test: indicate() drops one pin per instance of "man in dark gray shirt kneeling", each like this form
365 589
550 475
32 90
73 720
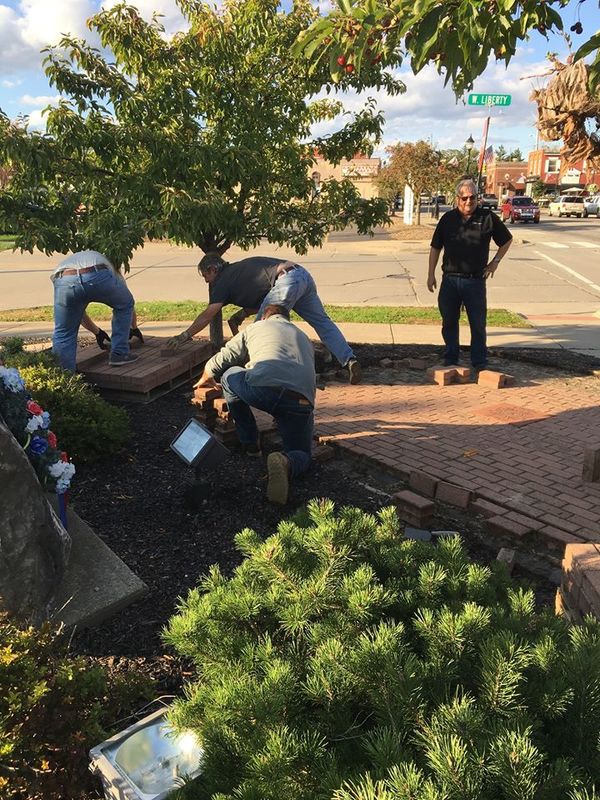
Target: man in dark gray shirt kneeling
270 365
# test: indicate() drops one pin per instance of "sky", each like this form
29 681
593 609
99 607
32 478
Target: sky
427 110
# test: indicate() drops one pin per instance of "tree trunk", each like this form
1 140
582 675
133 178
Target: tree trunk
216 331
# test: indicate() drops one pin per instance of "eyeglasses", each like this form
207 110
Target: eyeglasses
467 197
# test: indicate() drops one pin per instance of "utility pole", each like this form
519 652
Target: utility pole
486 128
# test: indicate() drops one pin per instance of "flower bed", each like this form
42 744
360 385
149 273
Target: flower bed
30 425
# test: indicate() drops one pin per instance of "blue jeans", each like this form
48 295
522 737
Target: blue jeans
72 293
454 293
297 290
294 419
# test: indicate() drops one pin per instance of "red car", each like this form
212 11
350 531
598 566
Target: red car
520 209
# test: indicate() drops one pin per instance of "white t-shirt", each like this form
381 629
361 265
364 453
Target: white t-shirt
86 258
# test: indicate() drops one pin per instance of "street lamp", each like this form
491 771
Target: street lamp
470 146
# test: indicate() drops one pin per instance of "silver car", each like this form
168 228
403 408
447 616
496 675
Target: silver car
591 206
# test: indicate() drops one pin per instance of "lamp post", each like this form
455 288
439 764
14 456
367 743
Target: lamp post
470 145
436 207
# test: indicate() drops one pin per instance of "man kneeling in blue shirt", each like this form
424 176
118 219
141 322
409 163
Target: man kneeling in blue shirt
270 366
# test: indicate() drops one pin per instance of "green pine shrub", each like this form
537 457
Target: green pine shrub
53 708
344 662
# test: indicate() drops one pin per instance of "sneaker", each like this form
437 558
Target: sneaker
278 468
119 361
355 371
252 450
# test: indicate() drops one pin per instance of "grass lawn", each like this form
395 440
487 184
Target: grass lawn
7 241
160 311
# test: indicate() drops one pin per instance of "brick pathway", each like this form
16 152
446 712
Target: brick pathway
518 450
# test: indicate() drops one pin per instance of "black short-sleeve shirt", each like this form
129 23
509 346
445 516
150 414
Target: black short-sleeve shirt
466 243
244 283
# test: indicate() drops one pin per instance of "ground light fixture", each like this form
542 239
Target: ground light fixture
147 760
196 445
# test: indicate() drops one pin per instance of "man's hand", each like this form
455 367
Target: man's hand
176 341
103 339
491 268
206 380
431 283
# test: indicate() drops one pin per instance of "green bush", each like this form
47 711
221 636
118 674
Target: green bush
52 710
343 661
87 427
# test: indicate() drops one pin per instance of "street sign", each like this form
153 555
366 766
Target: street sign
489 99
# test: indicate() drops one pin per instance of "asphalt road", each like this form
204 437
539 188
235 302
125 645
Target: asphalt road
552 268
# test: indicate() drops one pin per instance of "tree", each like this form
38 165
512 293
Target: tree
515 155
458 38
413 164
501 153
538 189
204 138
344 661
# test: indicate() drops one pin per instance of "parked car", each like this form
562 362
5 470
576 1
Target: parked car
520 209
488 201
591 206
567 205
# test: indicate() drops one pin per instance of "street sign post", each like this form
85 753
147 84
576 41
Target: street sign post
489 99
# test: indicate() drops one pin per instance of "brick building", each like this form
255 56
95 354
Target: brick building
506 178
361 170
547 166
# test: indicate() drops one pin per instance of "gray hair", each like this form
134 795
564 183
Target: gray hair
466 182
211 260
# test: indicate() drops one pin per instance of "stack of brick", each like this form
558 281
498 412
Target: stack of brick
224 426
203 402
445 376
495 380
579 591
414 509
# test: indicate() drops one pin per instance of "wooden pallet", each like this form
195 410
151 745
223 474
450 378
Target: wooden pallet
152 375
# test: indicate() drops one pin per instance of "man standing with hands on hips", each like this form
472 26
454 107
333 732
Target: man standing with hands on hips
465 234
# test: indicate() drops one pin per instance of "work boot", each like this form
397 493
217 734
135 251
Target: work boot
355 371
278 468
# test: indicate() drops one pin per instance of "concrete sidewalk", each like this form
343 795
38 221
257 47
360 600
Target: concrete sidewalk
582 336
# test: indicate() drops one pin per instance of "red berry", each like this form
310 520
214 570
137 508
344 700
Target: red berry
350 68
341 60
327 40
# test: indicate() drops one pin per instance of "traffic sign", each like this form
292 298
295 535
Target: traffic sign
489 99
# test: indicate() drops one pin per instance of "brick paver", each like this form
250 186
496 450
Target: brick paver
525 454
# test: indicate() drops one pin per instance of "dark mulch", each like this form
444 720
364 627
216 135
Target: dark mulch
141 504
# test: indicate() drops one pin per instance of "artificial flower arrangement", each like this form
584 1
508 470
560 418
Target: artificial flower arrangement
30 425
